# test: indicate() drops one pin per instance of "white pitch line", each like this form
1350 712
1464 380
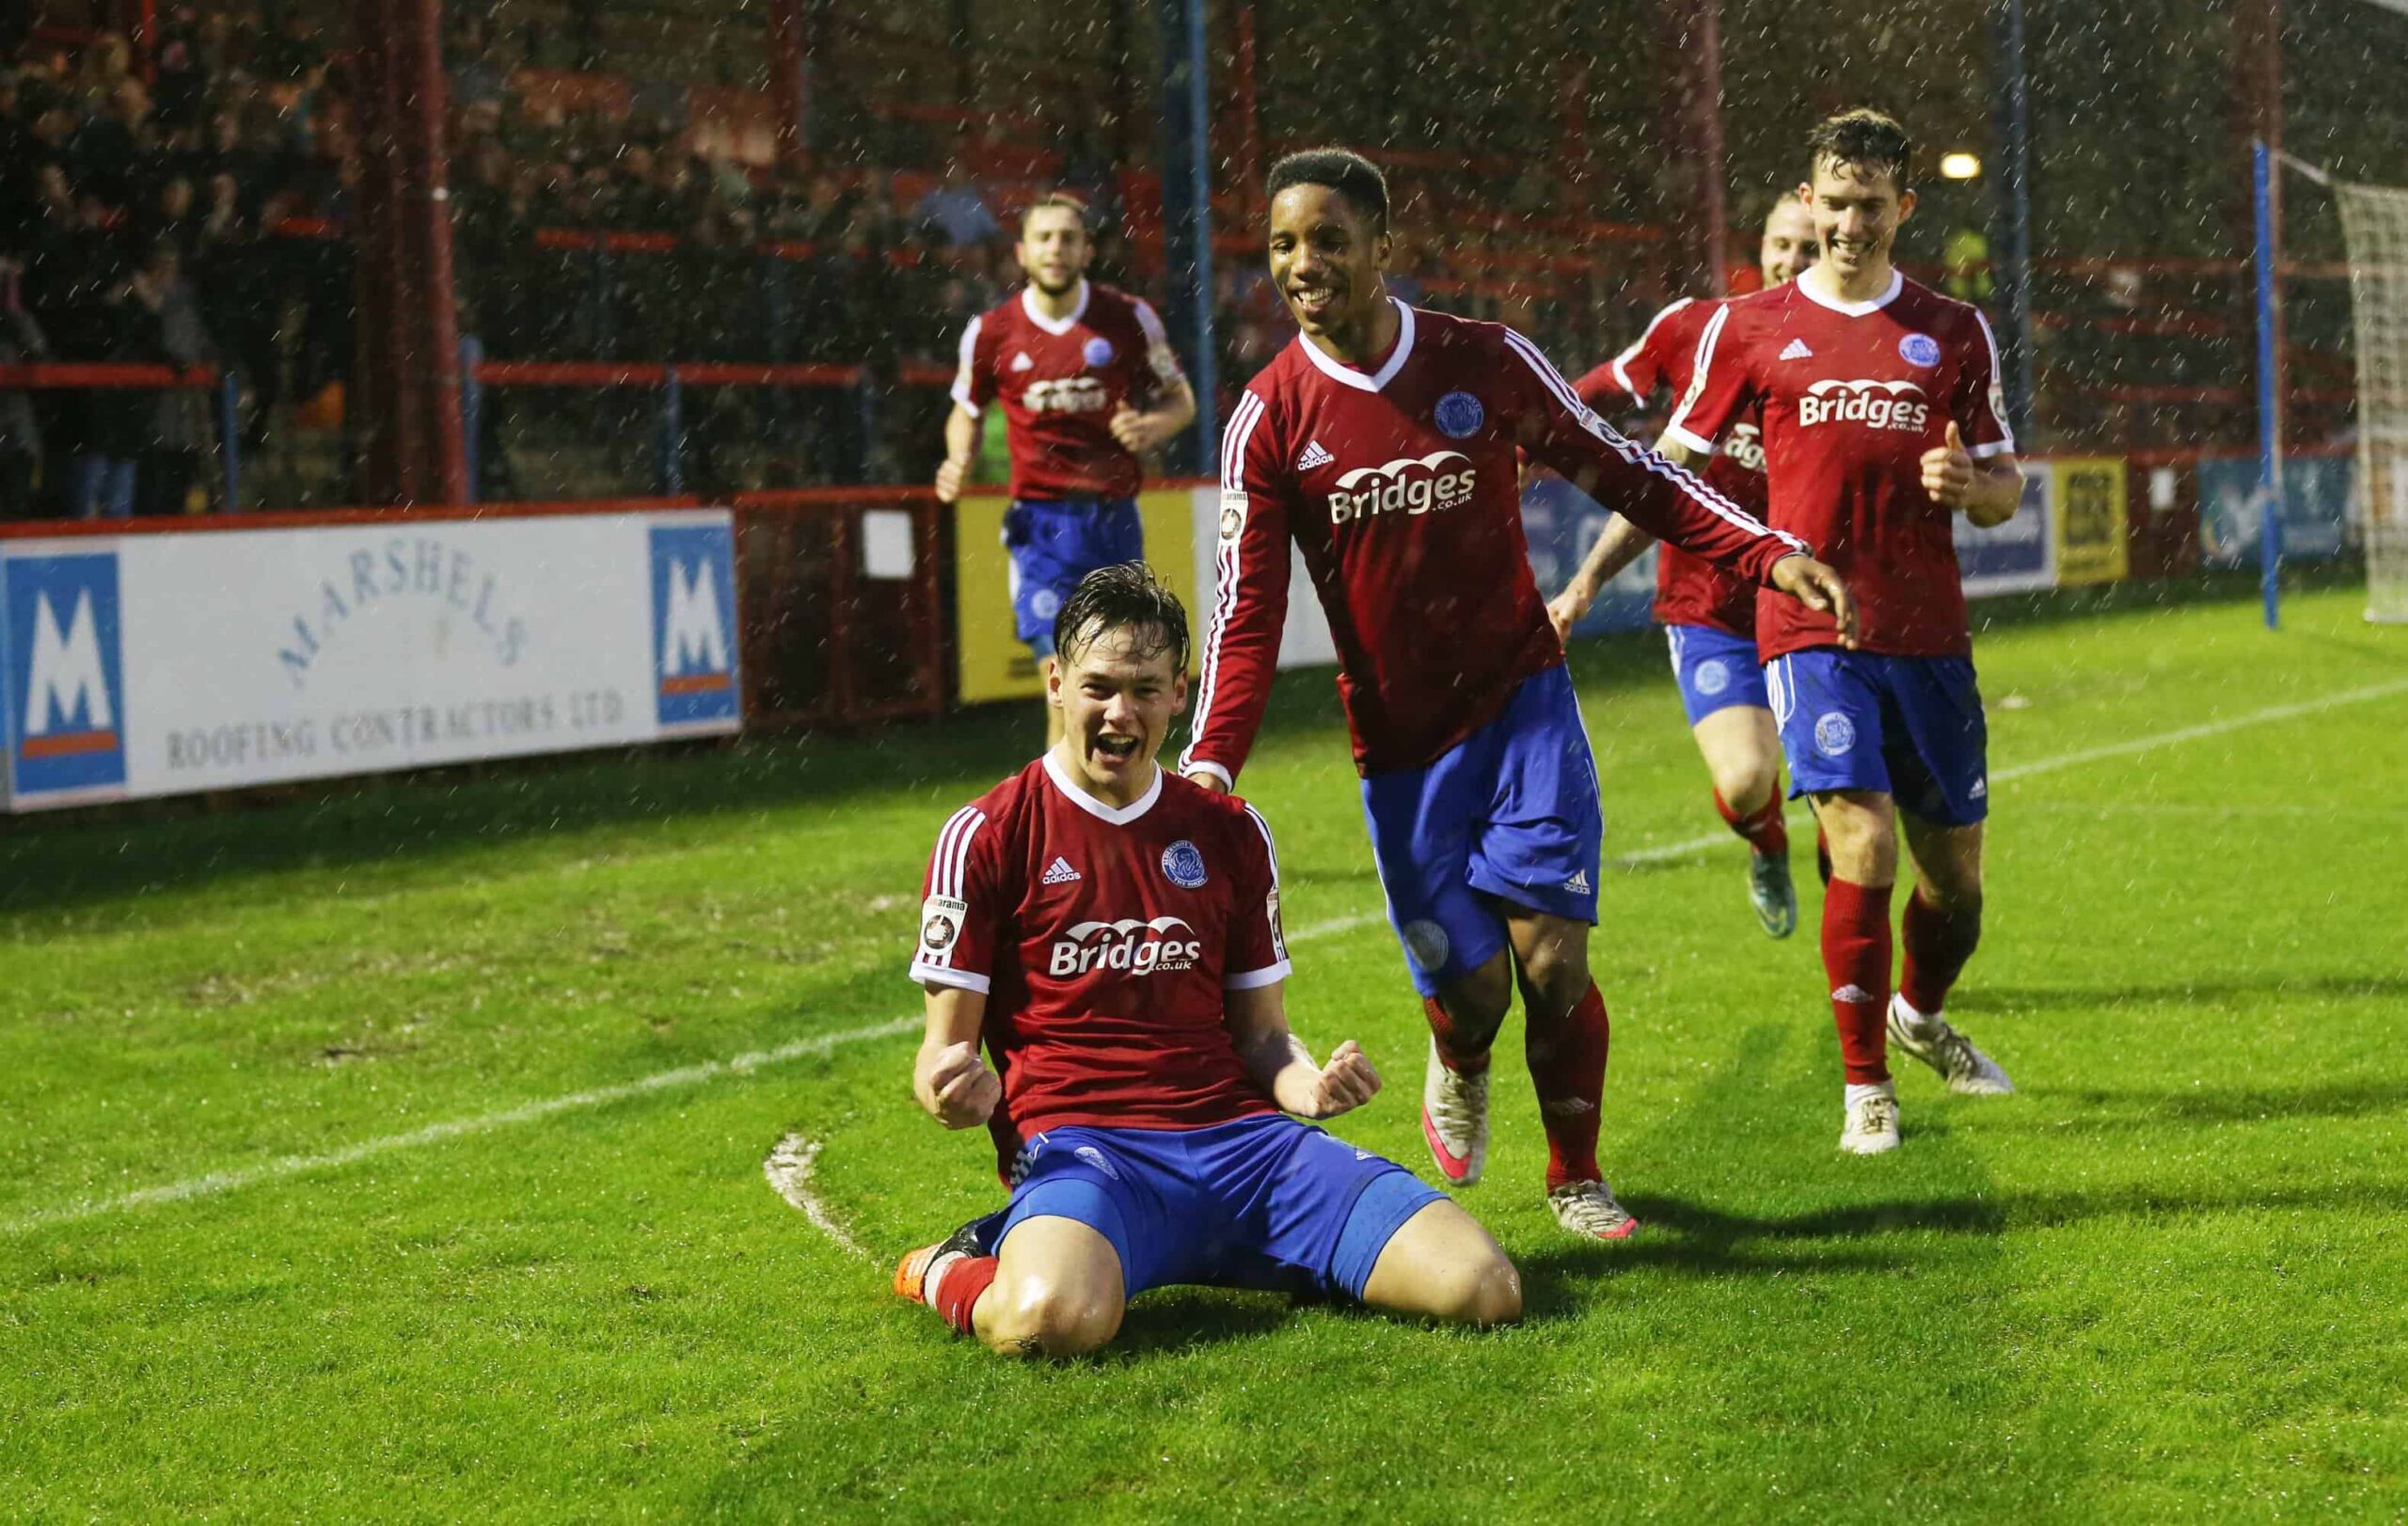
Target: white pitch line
2067 760
788 1168
2209 728
217 1183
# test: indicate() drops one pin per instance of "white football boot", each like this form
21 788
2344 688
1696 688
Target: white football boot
1930 1039
1589 1208
1454 1121
1872 1126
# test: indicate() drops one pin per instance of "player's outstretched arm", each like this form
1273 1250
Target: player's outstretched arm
1818 587
1284 1069
951 1082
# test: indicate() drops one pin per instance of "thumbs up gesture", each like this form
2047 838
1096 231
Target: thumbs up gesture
1948 469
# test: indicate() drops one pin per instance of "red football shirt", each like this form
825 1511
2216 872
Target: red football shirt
1689 590
1853 394
1399 487
1061 382
1103 939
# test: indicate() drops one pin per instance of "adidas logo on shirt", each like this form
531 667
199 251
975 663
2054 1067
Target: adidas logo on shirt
1578 883
1797 351
1314 456
1059 872
1022 361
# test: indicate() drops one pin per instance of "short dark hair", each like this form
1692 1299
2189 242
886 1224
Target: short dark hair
1865 139
1062 200
1125 596
1342 171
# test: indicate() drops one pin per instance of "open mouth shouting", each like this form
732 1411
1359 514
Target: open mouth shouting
1116 752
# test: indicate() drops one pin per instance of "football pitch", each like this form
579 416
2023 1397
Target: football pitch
400 1153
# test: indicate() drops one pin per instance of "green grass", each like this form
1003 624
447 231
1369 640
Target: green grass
2166 1280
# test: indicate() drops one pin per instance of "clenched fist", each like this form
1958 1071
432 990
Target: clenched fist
957 1088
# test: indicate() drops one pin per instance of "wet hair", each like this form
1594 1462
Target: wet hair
1124 597
1342 171
1864 138
1062 200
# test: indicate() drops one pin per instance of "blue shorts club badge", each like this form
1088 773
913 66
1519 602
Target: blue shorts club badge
1919 350
1460 415
1835 733
1099 351
1184 864
1712 676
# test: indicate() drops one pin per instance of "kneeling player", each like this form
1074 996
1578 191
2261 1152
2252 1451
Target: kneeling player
1111 932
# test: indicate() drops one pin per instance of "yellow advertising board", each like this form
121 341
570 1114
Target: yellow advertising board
993 662
2092 514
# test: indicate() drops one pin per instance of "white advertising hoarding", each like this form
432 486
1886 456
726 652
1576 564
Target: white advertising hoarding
163 663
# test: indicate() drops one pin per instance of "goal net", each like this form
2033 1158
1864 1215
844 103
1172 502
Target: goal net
2374 224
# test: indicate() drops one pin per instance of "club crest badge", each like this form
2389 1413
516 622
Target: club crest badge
1098 351
1919 350
1184 866
1459 415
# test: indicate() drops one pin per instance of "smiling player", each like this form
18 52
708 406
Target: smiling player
1111 933
1382 443
1074 364
1882 419
1709 617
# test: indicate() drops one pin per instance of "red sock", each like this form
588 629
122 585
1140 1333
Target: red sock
1567 1060
1765 831
1936 946
1461 1050
957 1292
1856 957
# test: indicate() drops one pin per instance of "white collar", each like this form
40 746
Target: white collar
1340 371
1120 816
1054 325
1853 309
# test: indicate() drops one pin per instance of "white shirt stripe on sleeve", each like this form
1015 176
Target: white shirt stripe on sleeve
1228 565
1996 401
1695 486
969 359
1678 429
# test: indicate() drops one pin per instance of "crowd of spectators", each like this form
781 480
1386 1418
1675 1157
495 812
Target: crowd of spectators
134 209
189 210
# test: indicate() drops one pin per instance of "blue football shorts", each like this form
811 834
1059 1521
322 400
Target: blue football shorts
1054 543
1716 670
1263 1202
1509 814
1909 727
